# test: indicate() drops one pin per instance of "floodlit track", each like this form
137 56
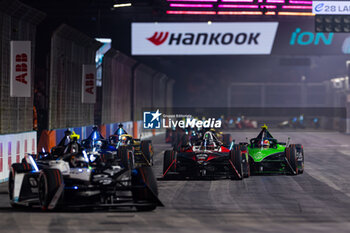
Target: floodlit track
316 201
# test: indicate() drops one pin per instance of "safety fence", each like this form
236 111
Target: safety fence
17 22
70 49
128 87
116 87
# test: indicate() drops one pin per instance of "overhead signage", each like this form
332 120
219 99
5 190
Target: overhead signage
20 69
300 38
242 38
331 7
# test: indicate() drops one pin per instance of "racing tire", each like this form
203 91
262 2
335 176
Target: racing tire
126 157
291 155
226 139
236 159
16 168
147 151
245 160
169 157
182 142
50 181
149 191
300 158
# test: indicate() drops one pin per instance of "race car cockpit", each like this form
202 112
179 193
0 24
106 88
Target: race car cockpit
120 137
209 142
264 139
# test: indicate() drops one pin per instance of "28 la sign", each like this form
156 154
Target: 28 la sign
20 66
203 38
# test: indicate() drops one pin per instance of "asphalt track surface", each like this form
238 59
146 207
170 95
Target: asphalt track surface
316 201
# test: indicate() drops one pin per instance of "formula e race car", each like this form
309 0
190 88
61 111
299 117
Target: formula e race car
267 155
78 178
205 157
142 149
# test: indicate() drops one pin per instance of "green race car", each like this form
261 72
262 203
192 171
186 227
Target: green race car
268 156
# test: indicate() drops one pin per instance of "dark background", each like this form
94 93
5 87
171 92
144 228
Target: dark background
200 80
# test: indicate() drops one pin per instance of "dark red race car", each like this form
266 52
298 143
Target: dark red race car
206 157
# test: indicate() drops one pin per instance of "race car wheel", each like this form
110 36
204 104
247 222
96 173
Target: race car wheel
146 192
245 160
49 182
169 157
300 158
126 157
182 143
236 159
291 155
226 139
147 151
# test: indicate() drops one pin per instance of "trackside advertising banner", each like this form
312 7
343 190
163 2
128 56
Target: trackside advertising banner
88 90
20 68
203 39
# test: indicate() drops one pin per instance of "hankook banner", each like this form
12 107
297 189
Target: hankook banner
20 75
243 38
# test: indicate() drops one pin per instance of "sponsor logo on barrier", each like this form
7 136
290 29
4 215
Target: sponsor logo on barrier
307 38
9 152
89 84
1 157
20 84
25 146
33 146
201 38
18 155
153 120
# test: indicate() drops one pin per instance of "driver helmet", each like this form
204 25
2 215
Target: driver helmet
266 143
208 138
98 144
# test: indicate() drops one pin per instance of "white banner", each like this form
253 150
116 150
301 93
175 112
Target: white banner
89 84
20 75
13 148
203 38
331 7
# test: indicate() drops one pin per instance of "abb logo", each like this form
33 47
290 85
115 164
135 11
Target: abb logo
21 68
89 83
158 39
